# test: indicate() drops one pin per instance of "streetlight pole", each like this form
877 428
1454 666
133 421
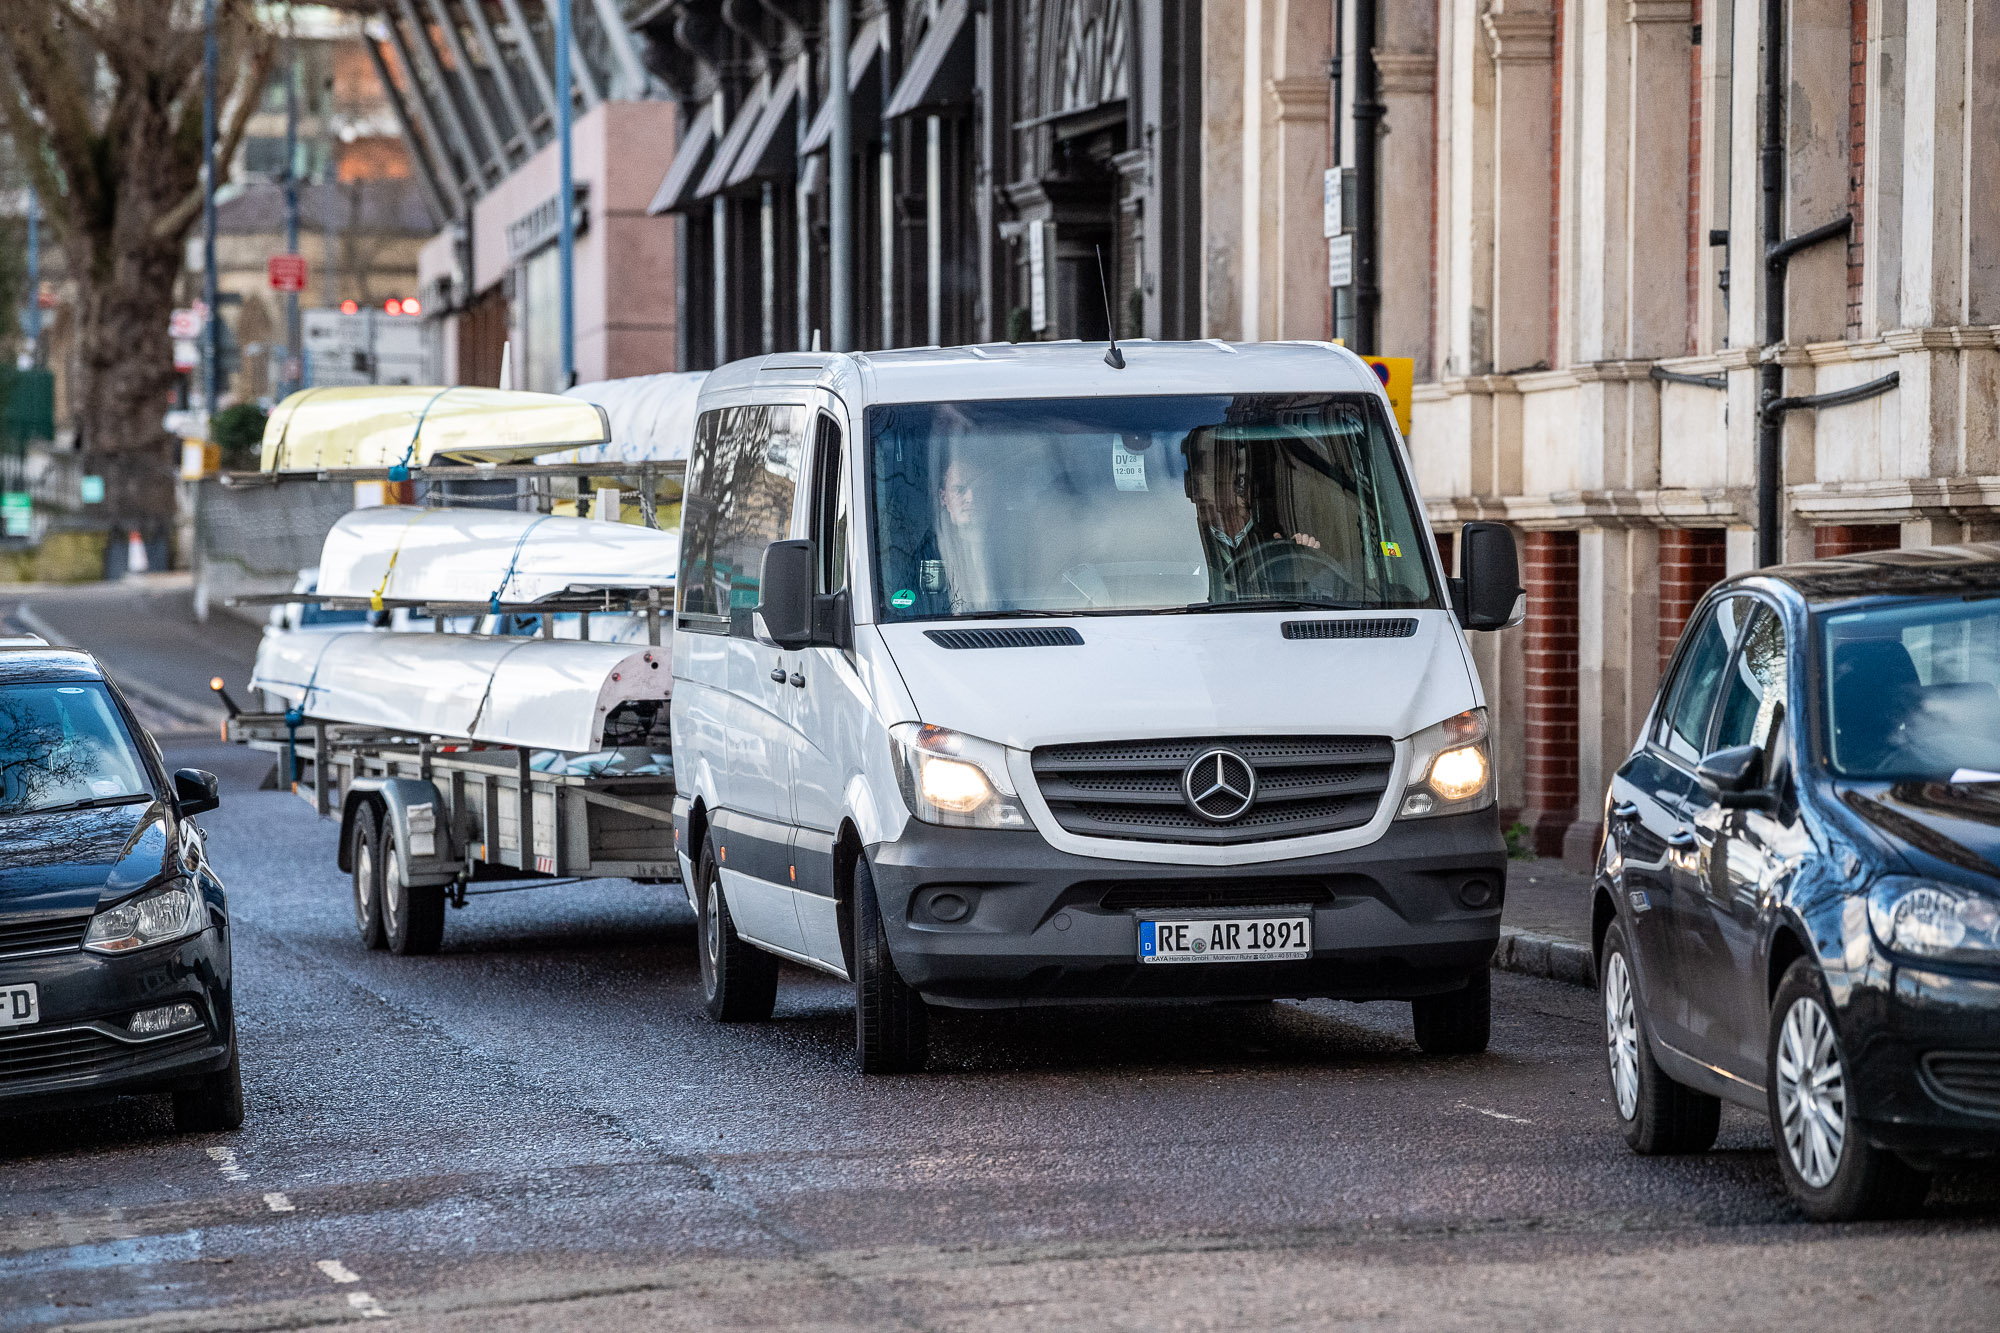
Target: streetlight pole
287 381
840 184
212 316
566 198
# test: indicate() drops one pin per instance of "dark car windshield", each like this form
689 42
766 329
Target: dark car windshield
1912 688
63 745
1074 506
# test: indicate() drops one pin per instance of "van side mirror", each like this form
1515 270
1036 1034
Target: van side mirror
1735 775
790 615
1488 595
196 792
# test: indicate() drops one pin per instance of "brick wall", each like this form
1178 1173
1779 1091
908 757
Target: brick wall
1549 784
1849 540
1692 560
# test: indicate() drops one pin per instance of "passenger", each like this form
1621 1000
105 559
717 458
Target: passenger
957 568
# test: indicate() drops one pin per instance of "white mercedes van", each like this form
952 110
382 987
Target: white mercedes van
1006 675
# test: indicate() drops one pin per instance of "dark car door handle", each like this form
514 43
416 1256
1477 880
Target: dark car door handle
798 680
778 674
1682 838
1624 812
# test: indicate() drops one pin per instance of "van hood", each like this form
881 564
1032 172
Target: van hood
1211 674
74 860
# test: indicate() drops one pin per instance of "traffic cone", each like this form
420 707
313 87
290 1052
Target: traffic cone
135 554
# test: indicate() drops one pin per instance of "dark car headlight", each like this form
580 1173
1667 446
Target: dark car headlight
149 919
1927 919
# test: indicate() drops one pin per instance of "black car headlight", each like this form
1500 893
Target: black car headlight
1927 919
149 919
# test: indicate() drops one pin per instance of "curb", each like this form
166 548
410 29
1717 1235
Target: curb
181 710
1548 956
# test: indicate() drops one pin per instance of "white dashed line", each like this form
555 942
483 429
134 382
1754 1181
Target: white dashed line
337 1270
367 1306
278 1203
1497 1115
225 1161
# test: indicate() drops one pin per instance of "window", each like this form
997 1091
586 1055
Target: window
1913 688
1756 694
742 479
829 529
64 745
1683 723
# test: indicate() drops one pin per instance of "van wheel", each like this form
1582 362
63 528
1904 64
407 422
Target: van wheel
1458 1022
892 1023
1831 1170
739 982
412 918
364 855
216 1103
1656 1114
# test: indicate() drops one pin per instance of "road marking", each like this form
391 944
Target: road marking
367 1305
225 1161
278 1203
337 1270
1497 1115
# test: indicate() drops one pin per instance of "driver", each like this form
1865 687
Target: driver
1231 517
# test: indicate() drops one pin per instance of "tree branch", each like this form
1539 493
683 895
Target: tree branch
249 87
51 84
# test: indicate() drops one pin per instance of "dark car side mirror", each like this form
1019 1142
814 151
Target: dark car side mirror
1735 776
789 614
196 792
1488 595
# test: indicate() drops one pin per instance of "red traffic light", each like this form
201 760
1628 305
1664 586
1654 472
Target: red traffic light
350 307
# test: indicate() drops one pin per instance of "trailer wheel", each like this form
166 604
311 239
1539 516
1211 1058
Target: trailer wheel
412 918
739 981
365 856
892 1033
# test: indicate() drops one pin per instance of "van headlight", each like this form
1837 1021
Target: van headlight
1451 769
1926 919
149 919
956 780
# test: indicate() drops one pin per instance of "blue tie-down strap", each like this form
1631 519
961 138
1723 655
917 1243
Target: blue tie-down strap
293 717
493 602
401 471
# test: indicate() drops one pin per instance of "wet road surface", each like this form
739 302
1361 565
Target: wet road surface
540 1128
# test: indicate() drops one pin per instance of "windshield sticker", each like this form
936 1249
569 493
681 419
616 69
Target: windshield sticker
930 574
69 689
902 599
1392 549
1128 470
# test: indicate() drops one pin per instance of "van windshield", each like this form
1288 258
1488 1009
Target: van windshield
1080 506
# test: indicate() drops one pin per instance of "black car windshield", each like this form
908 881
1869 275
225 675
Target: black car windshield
64 745
1078 506
1913 689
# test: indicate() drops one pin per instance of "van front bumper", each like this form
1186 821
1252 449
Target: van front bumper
1390 920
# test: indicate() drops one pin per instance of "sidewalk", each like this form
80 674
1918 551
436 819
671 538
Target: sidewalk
1545 925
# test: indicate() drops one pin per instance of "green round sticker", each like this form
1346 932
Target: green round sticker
903 599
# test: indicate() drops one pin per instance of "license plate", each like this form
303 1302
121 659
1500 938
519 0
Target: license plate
20 1006
1260 939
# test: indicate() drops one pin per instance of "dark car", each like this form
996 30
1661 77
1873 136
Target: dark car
114 933
1798 901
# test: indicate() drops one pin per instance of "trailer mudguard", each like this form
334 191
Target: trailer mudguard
416 811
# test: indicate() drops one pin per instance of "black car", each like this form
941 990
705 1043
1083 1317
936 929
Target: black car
114 933
1797 906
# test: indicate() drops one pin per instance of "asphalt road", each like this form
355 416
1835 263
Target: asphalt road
540 1128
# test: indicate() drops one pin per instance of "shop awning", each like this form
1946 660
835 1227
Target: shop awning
690 160
864 85
716 179
771 151
939 73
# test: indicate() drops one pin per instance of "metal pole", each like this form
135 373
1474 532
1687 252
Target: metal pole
287 381
211 327
840 182
1367 120
566 242
34 277
1771 375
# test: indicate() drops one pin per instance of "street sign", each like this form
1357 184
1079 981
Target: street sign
1397 374
17 514
1038 278
366 347
187 354
1340 260
90 490
287 273
185 324
1329 221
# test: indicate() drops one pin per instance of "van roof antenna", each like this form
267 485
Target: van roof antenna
1112 357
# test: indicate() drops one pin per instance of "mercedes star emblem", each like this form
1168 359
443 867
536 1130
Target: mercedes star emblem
1220 786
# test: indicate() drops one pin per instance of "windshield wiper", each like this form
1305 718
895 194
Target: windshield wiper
94 803
1273 604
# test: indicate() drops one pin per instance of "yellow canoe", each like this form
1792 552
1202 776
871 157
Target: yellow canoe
388 426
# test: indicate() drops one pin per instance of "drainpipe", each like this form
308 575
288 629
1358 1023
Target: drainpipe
840 182
1771 376
1367 119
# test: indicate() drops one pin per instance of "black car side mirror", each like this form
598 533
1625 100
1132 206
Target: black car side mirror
789 614
196 792
1488 595
1735 775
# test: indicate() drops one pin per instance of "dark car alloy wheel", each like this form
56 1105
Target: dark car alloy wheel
1656 1114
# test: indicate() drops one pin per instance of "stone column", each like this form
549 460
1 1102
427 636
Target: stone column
1405 217
1520 38
1221 171
1293 250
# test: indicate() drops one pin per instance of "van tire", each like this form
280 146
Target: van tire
1458 1022
891 1021
412 917
364 853
739 981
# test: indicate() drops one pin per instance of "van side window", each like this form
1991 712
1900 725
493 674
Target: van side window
1683 723
829 524
742 480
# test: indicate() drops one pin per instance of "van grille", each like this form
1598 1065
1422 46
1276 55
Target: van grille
1395 627
42 934
1969 1077
1132 789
